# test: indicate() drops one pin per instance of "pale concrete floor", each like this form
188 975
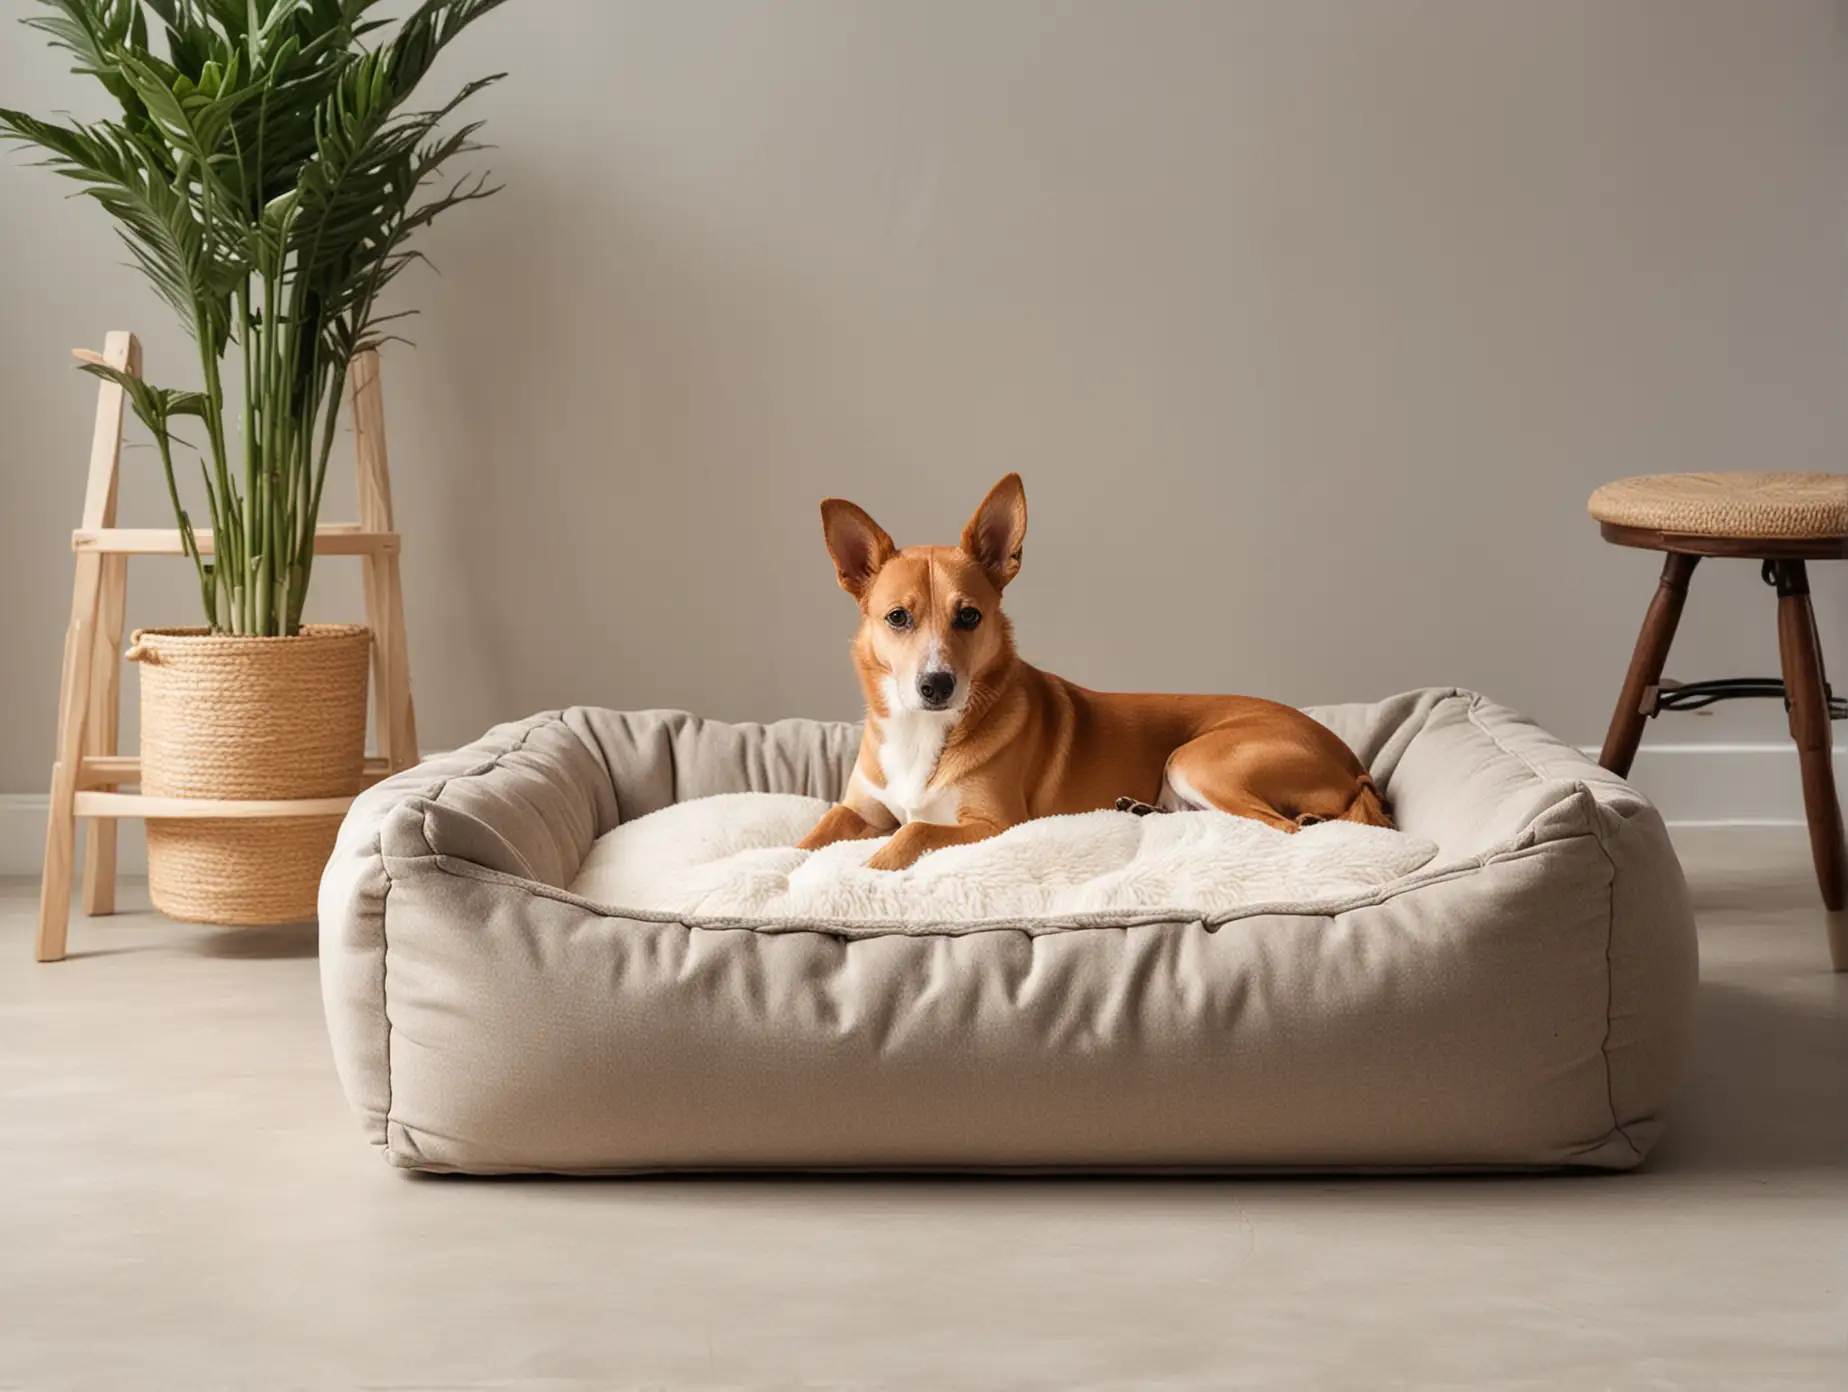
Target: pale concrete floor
185 1203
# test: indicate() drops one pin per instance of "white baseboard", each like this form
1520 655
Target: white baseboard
1693 784
1723 784
22 838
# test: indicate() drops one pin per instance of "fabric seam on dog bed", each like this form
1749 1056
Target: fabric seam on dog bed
391 1093
427 798
1610 996
951 928
1610 932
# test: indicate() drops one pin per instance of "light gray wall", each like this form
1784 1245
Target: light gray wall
1309 324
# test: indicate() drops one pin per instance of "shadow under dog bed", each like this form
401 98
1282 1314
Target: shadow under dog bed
1521 1000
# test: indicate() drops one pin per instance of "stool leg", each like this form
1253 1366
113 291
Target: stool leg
100 735
1652 645
73 718
1806 689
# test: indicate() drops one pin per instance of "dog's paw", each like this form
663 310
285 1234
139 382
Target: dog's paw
883 859
1135 805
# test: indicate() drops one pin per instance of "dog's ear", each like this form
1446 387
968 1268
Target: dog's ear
997 533
858 544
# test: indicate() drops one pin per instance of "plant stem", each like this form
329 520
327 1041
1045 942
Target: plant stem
226 538
188 542
329 424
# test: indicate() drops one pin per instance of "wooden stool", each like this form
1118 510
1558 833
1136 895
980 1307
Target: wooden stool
1782 521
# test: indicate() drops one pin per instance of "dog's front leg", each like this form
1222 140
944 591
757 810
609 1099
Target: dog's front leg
916 838
840 823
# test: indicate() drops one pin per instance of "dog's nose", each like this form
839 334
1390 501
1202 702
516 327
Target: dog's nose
937 687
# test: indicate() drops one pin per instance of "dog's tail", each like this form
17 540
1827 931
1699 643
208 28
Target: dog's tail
1368 807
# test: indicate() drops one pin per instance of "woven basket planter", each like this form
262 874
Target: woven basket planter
248 718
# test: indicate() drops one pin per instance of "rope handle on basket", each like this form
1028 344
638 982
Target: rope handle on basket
141 647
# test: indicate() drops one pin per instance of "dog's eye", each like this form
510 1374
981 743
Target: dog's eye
968 617
899 618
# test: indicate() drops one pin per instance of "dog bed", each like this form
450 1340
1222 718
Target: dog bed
1506 984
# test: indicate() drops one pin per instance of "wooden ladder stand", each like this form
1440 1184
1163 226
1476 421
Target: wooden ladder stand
89 772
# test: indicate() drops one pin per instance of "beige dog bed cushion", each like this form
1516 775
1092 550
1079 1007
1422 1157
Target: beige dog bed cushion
574 947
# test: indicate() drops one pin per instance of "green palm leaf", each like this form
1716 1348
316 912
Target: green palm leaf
267 176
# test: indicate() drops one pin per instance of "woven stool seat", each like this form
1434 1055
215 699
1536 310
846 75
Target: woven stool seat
1771 507
1783 522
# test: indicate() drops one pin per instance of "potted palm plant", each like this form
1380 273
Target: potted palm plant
267 173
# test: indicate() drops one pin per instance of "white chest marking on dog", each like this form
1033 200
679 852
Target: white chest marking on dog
910 744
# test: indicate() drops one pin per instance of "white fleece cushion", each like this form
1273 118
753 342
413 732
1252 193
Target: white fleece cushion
734 855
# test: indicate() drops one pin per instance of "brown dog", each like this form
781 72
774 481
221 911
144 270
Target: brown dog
964 740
